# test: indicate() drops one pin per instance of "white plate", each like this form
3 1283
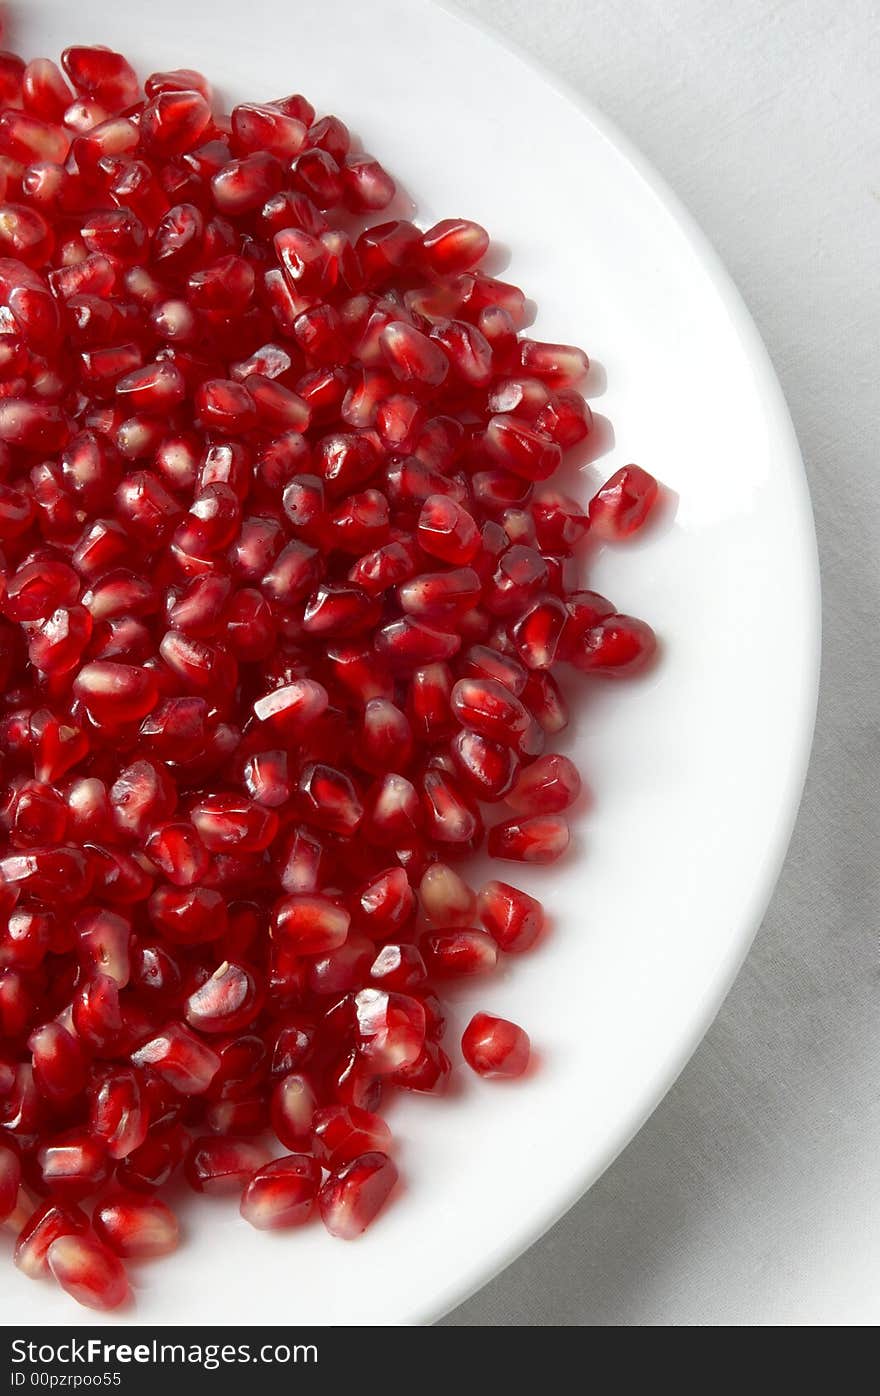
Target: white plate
696 771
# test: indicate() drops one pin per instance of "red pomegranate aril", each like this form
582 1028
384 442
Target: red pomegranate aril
535 839
385 904
59 1065
293 1106
226 1002
447 531
340 1133
119 1113
459 951
355 1193
446 899
310 924
186 914
538 633
618 645
487 768
548 786
51 1220
513 919
217 1165
495 1047
155 1162
137 1228
72 1165
282 1193
180 1059
398 967
95 1011
366 186
453 245
623 504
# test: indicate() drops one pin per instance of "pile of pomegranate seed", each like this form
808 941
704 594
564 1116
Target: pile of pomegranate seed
284 589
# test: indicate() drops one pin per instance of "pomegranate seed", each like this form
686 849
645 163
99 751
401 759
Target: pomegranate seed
180 1059
548 786
355 1193
47 1224
119 1113
88 1271
513 919
72 1165
537 839
229 1000
292 1109
623 504
495 1047
312 925
137 1227
618 645
453 245
446 899
282 1193
460 951
342 1132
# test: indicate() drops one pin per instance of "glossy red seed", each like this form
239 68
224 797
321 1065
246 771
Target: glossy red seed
513 919
460 951
137 1227
88 1271
617 646
534 839
355 1193
495 1047
180 1059
282 1193
51 1220
292 1109
623 504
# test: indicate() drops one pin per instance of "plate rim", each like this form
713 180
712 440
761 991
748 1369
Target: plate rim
769 392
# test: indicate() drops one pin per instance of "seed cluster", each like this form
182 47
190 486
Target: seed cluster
283 593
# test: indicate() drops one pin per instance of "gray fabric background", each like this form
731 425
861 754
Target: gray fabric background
751 1196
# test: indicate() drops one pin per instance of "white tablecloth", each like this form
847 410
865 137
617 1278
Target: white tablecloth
753 1194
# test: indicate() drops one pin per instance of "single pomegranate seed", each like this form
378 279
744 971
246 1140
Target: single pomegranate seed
341 1133
292 1109
453 245
72 1165
495 1047
537 839
446 899
447 531
355 1193
618 645
119 1113
180 1059
88 1271
229 1000
137 1227
459 951
310 924
548 786
623 504
282 1193
47 1224
513 919
115 694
